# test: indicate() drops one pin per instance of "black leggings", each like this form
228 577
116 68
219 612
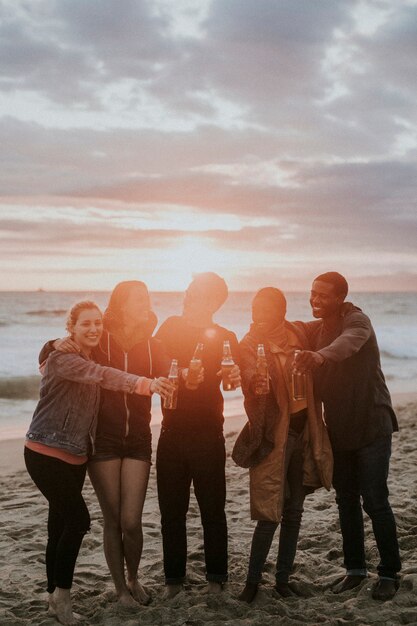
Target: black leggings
68 519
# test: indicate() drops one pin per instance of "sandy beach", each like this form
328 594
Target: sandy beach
318 561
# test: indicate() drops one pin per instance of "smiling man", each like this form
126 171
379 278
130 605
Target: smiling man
360 420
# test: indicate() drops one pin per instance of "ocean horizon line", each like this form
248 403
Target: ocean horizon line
176 291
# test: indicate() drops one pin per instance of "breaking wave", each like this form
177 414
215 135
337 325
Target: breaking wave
47 312
20 388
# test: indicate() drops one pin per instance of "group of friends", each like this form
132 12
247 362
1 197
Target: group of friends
94 414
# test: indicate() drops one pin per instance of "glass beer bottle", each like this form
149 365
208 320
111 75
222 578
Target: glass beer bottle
171 401
227 365
262 374
298 380
194 368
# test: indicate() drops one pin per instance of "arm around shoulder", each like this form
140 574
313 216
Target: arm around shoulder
46 350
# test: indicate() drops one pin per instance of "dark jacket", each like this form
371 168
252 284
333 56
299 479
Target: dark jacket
121 414
65 416
357 403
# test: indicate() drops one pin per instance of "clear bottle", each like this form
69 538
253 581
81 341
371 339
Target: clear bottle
194 368
227 365
171 401
262 373
298 381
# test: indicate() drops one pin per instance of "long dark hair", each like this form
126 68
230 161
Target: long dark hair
113 313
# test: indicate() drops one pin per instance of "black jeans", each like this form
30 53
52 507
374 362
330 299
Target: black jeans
199 457
363 473
263 535
68 519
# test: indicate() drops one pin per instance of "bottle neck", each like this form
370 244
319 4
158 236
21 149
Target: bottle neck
198 352
173 372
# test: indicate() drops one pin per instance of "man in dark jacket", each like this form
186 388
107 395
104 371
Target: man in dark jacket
360 421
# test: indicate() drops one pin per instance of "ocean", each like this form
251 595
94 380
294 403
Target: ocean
28 319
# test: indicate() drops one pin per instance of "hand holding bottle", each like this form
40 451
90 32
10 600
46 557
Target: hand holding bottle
230 377
298 379
192 380
230 372
262 373
162 386
234 376
194 374
308 360
170 400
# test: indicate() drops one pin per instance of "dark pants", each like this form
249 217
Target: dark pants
68 519
182 458
263 535
364 473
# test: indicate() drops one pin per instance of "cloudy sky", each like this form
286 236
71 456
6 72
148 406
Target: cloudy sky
267 140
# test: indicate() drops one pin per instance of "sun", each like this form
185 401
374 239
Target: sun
192 255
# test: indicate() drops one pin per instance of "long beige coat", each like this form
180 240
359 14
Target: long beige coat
267 477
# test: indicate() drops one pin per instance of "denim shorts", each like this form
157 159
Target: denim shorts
108 447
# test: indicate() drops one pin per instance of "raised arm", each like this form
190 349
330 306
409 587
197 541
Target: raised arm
356 331
74 367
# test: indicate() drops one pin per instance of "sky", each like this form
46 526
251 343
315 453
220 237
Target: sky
265 140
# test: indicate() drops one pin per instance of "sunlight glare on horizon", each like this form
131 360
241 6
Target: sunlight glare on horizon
190 256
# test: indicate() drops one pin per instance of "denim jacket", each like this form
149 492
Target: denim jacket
66 414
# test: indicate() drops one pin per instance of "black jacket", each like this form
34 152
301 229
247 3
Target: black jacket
201 409
357 403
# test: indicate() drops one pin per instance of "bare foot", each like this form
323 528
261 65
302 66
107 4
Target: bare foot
171 591
61 604
284 589
347 583
138 592
126 601
213 587
51 605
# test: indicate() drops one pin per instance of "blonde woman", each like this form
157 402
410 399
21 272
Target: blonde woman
60 438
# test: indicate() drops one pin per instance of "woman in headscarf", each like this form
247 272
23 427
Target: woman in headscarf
285 442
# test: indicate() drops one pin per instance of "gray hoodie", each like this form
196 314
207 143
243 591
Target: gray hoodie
66 414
